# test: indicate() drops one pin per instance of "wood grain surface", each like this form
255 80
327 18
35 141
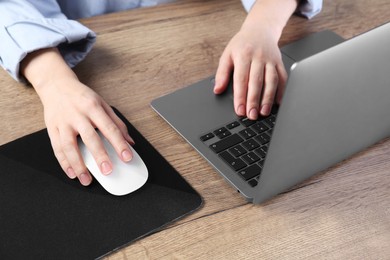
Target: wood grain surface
341 213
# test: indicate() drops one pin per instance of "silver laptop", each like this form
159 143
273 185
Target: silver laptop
336 103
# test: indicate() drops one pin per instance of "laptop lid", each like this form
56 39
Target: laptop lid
195 110
335 105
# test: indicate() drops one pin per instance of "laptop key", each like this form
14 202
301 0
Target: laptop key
260 152
270 120
250 172
259 127
250 144
206 137
226 143
220 130
265 148
253 182
246 121
263 138
247 133
224 134
250 158
237 150
235 163
261 163
232 125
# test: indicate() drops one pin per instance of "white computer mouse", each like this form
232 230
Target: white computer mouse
124 178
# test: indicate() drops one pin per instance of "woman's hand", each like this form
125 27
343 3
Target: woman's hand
72 109
258 71
254 59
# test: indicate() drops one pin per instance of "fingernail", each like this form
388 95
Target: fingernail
70 173
265 110
130 140
126 155
106 168
216 89
253 114
85 179
241 110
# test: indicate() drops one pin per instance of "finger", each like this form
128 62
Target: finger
71 151
95 146
58 153
270 87
222 77
240 84
121 125
282 82
113 134
255 86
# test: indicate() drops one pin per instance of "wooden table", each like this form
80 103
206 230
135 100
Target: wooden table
145 53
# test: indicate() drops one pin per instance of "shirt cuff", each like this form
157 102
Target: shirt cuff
74 41
309 8
306 8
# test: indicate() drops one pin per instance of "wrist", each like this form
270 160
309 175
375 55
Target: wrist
270 16
44 69
263 28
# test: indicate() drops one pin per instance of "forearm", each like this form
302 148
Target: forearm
43 68
27 26
272 14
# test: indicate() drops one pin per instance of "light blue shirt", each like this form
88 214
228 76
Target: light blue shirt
30 25
307 8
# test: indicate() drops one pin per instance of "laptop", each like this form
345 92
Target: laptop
336 103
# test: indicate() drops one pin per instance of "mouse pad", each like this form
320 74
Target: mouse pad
46 215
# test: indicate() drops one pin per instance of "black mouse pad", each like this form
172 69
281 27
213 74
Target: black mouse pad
46 215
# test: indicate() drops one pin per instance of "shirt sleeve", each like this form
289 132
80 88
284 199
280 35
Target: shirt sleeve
306 8
309 8
27 26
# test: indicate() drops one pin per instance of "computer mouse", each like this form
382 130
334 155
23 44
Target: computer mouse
126 177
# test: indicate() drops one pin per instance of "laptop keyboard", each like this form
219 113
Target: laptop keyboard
243 144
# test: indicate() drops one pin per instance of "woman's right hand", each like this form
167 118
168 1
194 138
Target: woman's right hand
72 109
